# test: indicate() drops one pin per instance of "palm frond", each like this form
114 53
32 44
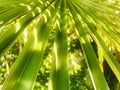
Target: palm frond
92 19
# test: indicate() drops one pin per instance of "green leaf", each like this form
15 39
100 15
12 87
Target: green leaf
22 75
60 66
8 38
91 59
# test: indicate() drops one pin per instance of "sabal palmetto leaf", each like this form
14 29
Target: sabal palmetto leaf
89 17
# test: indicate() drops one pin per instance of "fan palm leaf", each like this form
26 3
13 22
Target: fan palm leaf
91 19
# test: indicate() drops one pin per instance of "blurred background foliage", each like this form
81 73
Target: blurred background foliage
79 77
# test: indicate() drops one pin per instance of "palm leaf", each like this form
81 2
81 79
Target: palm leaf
89 17
90 56
60 72
109 57
37 43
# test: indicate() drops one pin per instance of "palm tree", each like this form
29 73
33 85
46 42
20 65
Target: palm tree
92 20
